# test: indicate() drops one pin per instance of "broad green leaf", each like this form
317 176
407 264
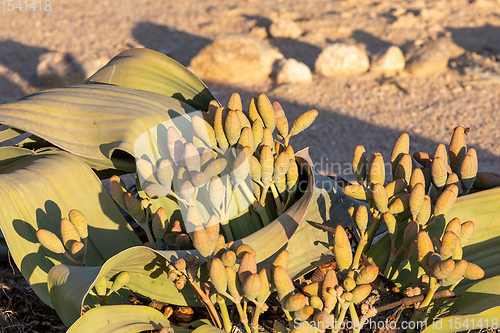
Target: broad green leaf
149 70
120 318
36 192
9 155
483 249
92 120
207 329
477 308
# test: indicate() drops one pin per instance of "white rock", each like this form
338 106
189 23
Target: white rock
342 60
293 71
56 69
235 59
282 28
388 62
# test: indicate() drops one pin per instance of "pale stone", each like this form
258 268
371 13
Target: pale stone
293 71
388 62
282 28
235 59
342 60
431 58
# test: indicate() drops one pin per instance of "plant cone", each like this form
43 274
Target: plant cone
155 191
330 281
252 286
220 246
218 275
367 275
417 197
117 190
264 275
174 144
330 298
253 114
159 223
186 190
466 232
468 170
266 112
145 169
282 282
234 102
453 179
342 249
50 241
281 165
376 169
311 289
241 168
439 172
290 152
202 242
456 274
458 255
242 249
454 226
361 219
400 204
248 266
213 229
68 233
283 260
424 159
443 269
246 139
257 132
79 222
267 138
446 200
215 167
473 272
216 191
390 222
395 187
281 121
360 293
204 131
134 208
401 147
410 233
442 153
404 168
417 176
425 211
448 244
424 247
349 284
193 217
307 311
359 164
292 176
266 164
219 124
295 302
228 258
434 258
323 320
356 191
281 185
120 281
380 198
458 148
303 121
180 284
101 286
165 173
212 108
191 158
244 122
232 127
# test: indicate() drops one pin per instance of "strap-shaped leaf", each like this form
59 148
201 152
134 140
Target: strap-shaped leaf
92 120
36 192
120 318
149 70
477 308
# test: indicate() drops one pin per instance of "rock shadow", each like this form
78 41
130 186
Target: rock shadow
298 50
180 45
21 59
477 39
373 44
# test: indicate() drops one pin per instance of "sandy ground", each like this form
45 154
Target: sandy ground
353 110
